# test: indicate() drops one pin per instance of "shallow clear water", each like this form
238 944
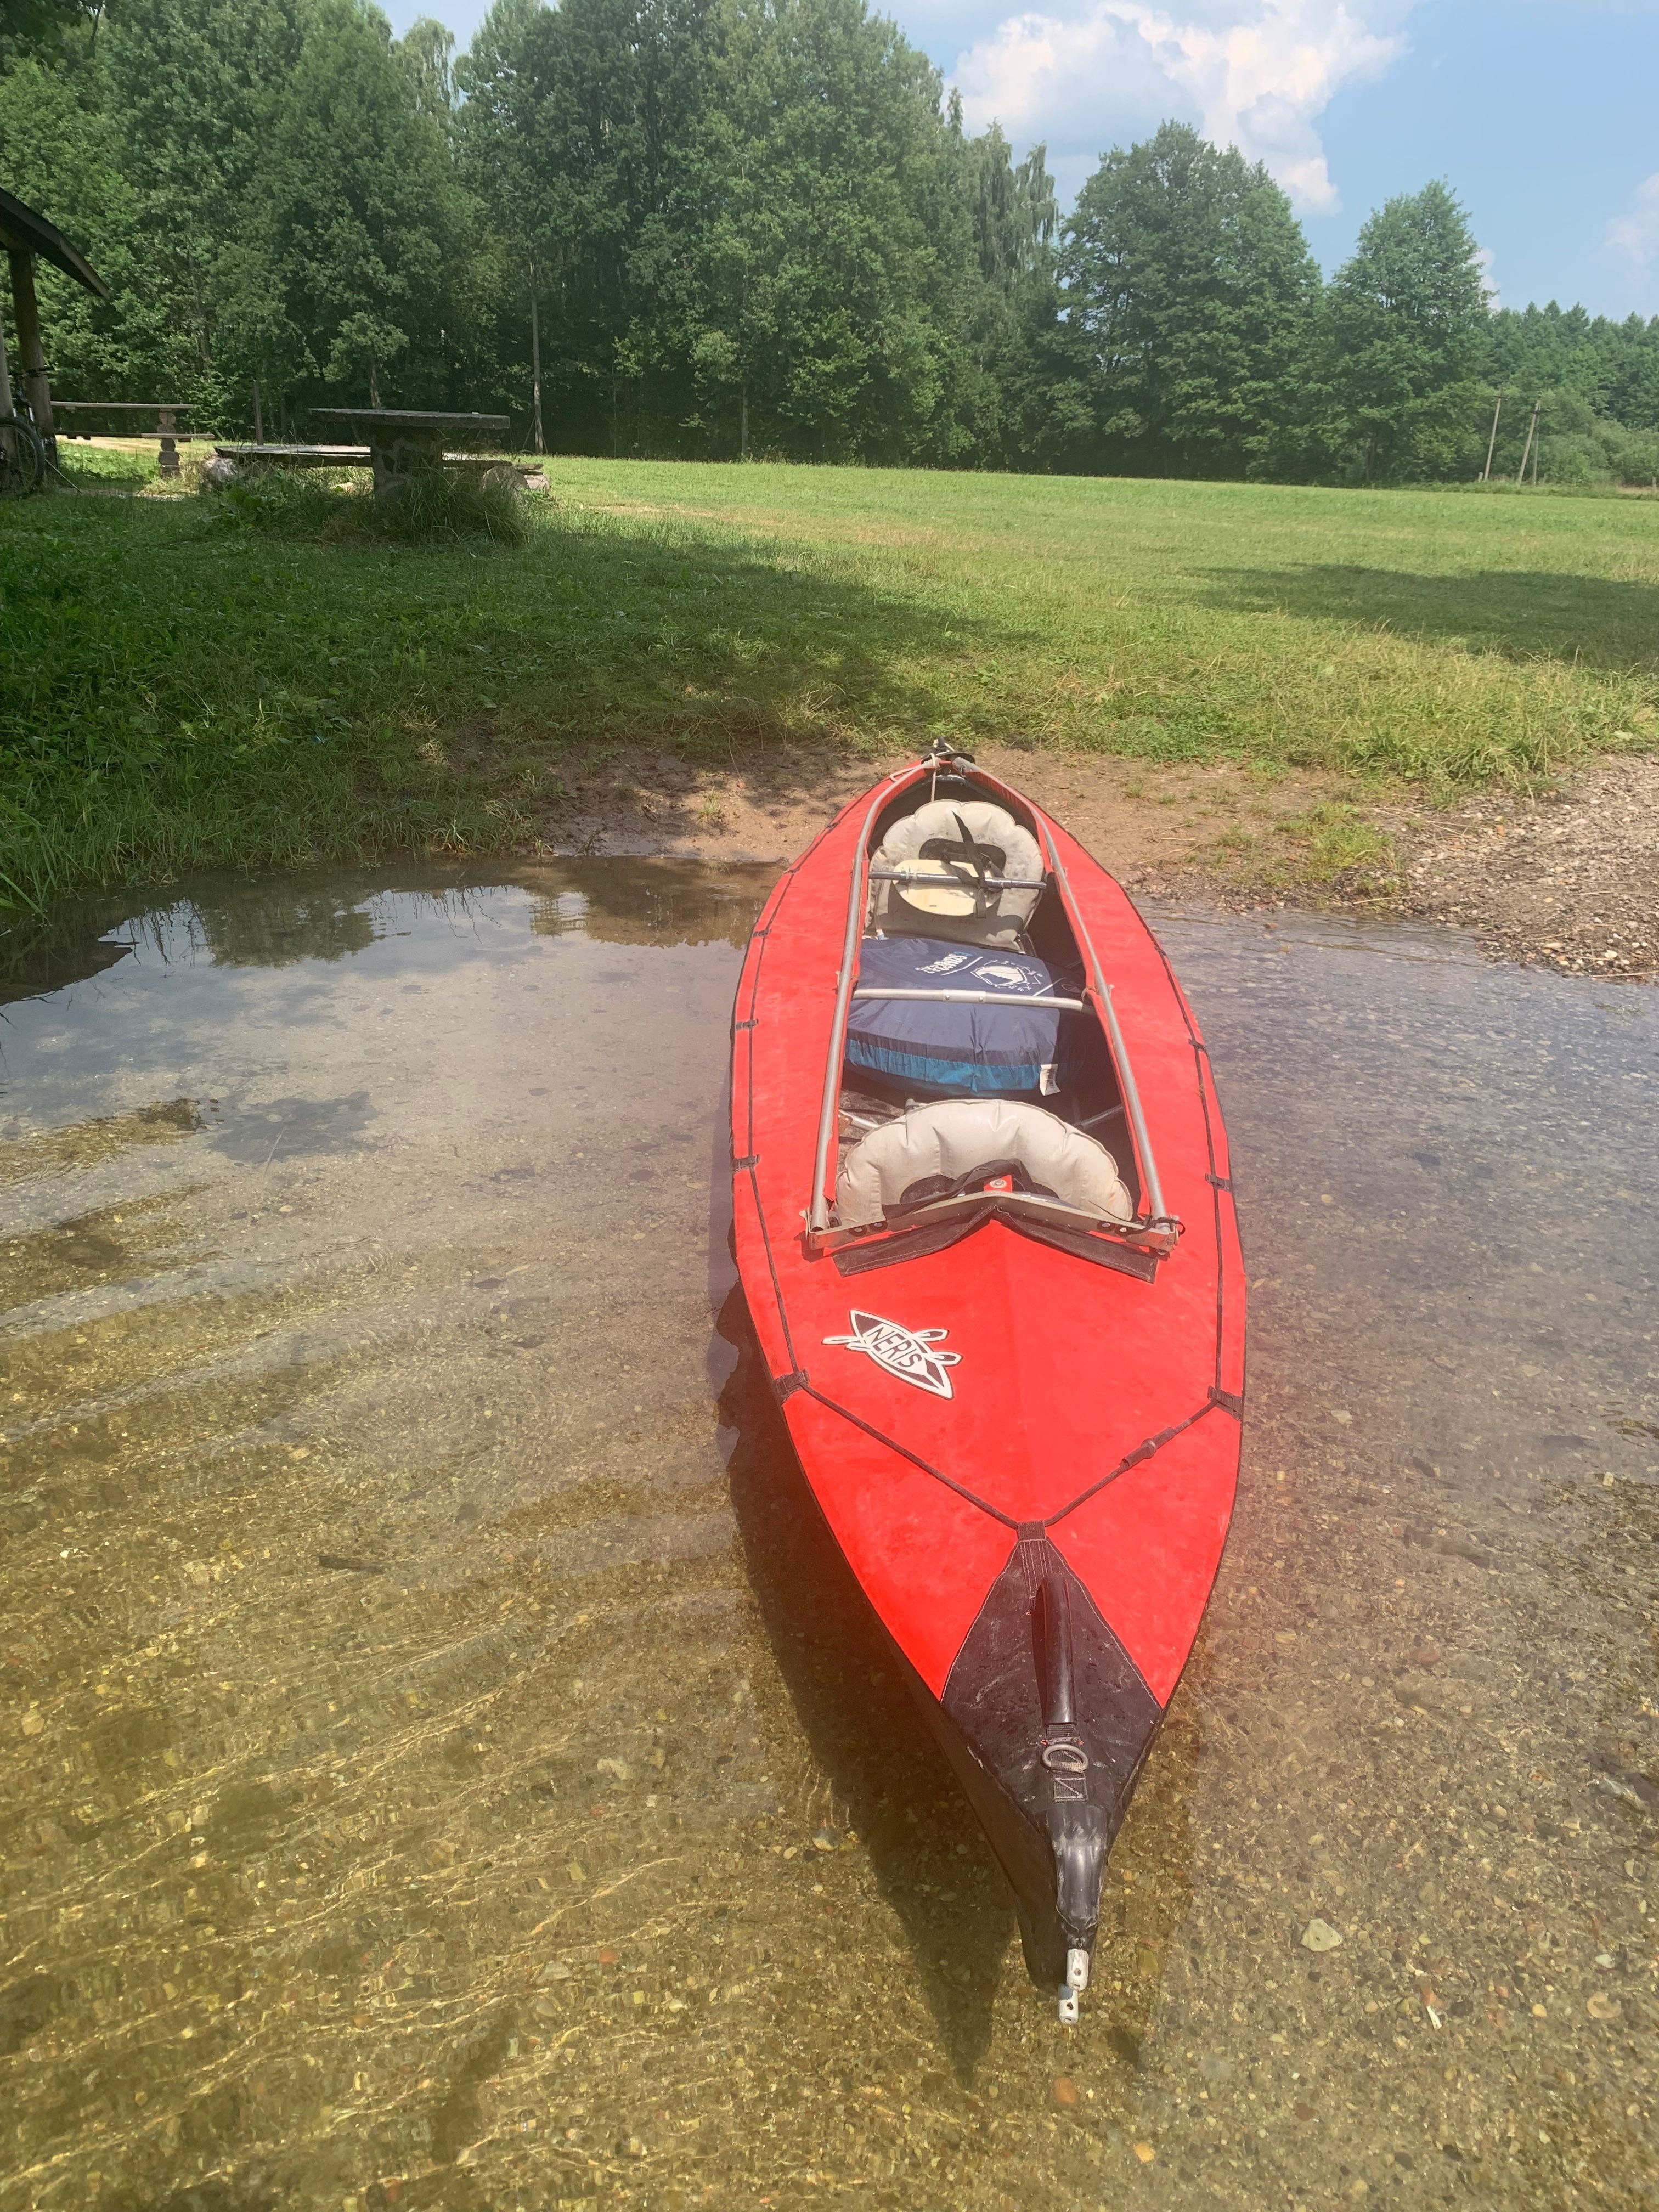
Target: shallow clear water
442 1764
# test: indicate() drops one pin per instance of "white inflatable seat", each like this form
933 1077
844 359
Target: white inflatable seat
924 841
958 1135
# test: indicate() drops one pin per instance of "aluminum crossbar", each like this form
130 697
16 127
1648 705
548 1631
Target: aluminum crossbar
925 880
981 999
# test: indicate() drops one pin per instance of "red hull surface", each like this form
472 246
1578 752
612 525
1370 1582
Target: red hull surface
1089 1443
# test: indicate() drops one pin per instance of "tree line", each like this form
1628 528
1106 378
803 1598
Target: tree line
710 229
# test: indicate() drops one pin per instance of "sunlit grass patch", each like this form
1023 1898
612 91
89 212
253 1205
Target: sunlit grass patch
1334 841
291 668
105 468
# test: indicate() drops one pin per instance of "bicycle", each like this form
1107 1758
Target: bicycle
22 457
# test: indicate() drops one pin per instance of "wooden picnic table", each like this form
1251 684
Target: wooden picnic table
167 412
406 442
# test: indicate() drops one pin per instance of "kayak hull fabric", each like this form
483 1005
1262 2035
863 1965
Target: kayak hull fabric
1027 1459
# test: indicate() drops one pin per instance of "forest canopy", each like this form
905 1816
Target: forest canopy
710 227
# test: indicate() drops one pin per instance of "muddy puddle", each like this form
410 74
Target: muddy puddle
442 1764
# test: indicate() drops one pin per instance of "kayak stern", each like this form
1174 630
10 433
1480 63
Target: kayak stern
1048 1723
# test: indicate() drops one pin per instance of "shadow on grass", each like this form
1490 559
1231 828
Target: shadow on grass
667 634
931 1862
1599 622
240 704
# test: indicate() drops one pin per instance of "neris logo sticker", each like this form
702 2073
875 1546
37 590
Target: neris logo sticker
906 1353
1008 975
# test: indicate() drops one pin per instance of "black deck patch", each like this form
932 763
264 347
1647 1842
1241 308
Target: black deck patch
908 1244
993 1698
1122 1259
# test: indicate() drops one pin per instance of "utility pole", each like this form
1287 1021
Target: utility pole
1485 473
259 425
743 423
535 366
1538 448
1532 432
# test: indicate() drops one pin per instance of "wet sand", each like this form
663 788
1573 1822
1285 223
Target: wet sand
444 1764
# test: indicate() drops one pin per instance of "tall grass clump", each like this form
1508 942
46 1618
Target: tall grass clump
443 506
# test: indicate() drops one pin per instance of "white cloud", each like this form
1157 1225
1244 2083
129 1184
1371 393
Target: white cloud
1254 74
1633 238
1484 257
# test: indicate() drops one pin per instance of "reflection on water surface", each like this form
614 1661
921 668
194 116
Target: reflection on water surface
444 1764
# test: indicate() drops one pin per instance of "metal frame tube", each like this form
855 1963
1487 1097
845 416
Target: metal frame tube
954 883
1158 1212
1141 1235
817 1218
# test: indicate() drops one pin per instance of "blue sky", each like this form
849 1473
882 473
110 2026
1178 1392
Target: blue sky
1543 115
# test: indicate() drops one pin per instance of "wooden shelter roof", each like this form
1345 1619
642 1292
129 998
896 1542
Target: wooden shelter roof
25 230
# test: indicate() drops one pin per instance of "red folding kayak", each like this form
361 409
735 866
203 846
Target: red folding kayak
986 1230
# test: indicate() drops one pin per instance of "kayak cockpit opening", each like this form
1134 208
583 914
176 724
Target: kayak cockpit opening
975 1067
962 1147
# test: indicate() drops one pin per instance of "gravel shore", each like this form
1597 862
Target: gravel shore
1570 881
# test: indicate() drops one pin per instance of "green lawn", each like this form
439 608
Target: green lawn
177 692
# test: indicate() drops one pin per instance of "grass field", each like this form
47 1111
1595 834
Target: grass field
178 689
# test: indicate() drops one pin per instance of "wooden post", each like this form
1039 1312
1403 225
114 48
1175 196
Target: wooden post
7 438
1538 446
259 426
1485 473
1526 450
36 383
536 367
383 459
742 419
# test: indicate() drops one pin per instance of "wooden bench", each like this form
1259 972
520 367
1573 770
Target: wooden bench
298 457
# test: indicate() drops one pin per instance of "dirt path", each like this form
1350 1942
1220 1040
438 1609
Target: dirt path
1568 880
